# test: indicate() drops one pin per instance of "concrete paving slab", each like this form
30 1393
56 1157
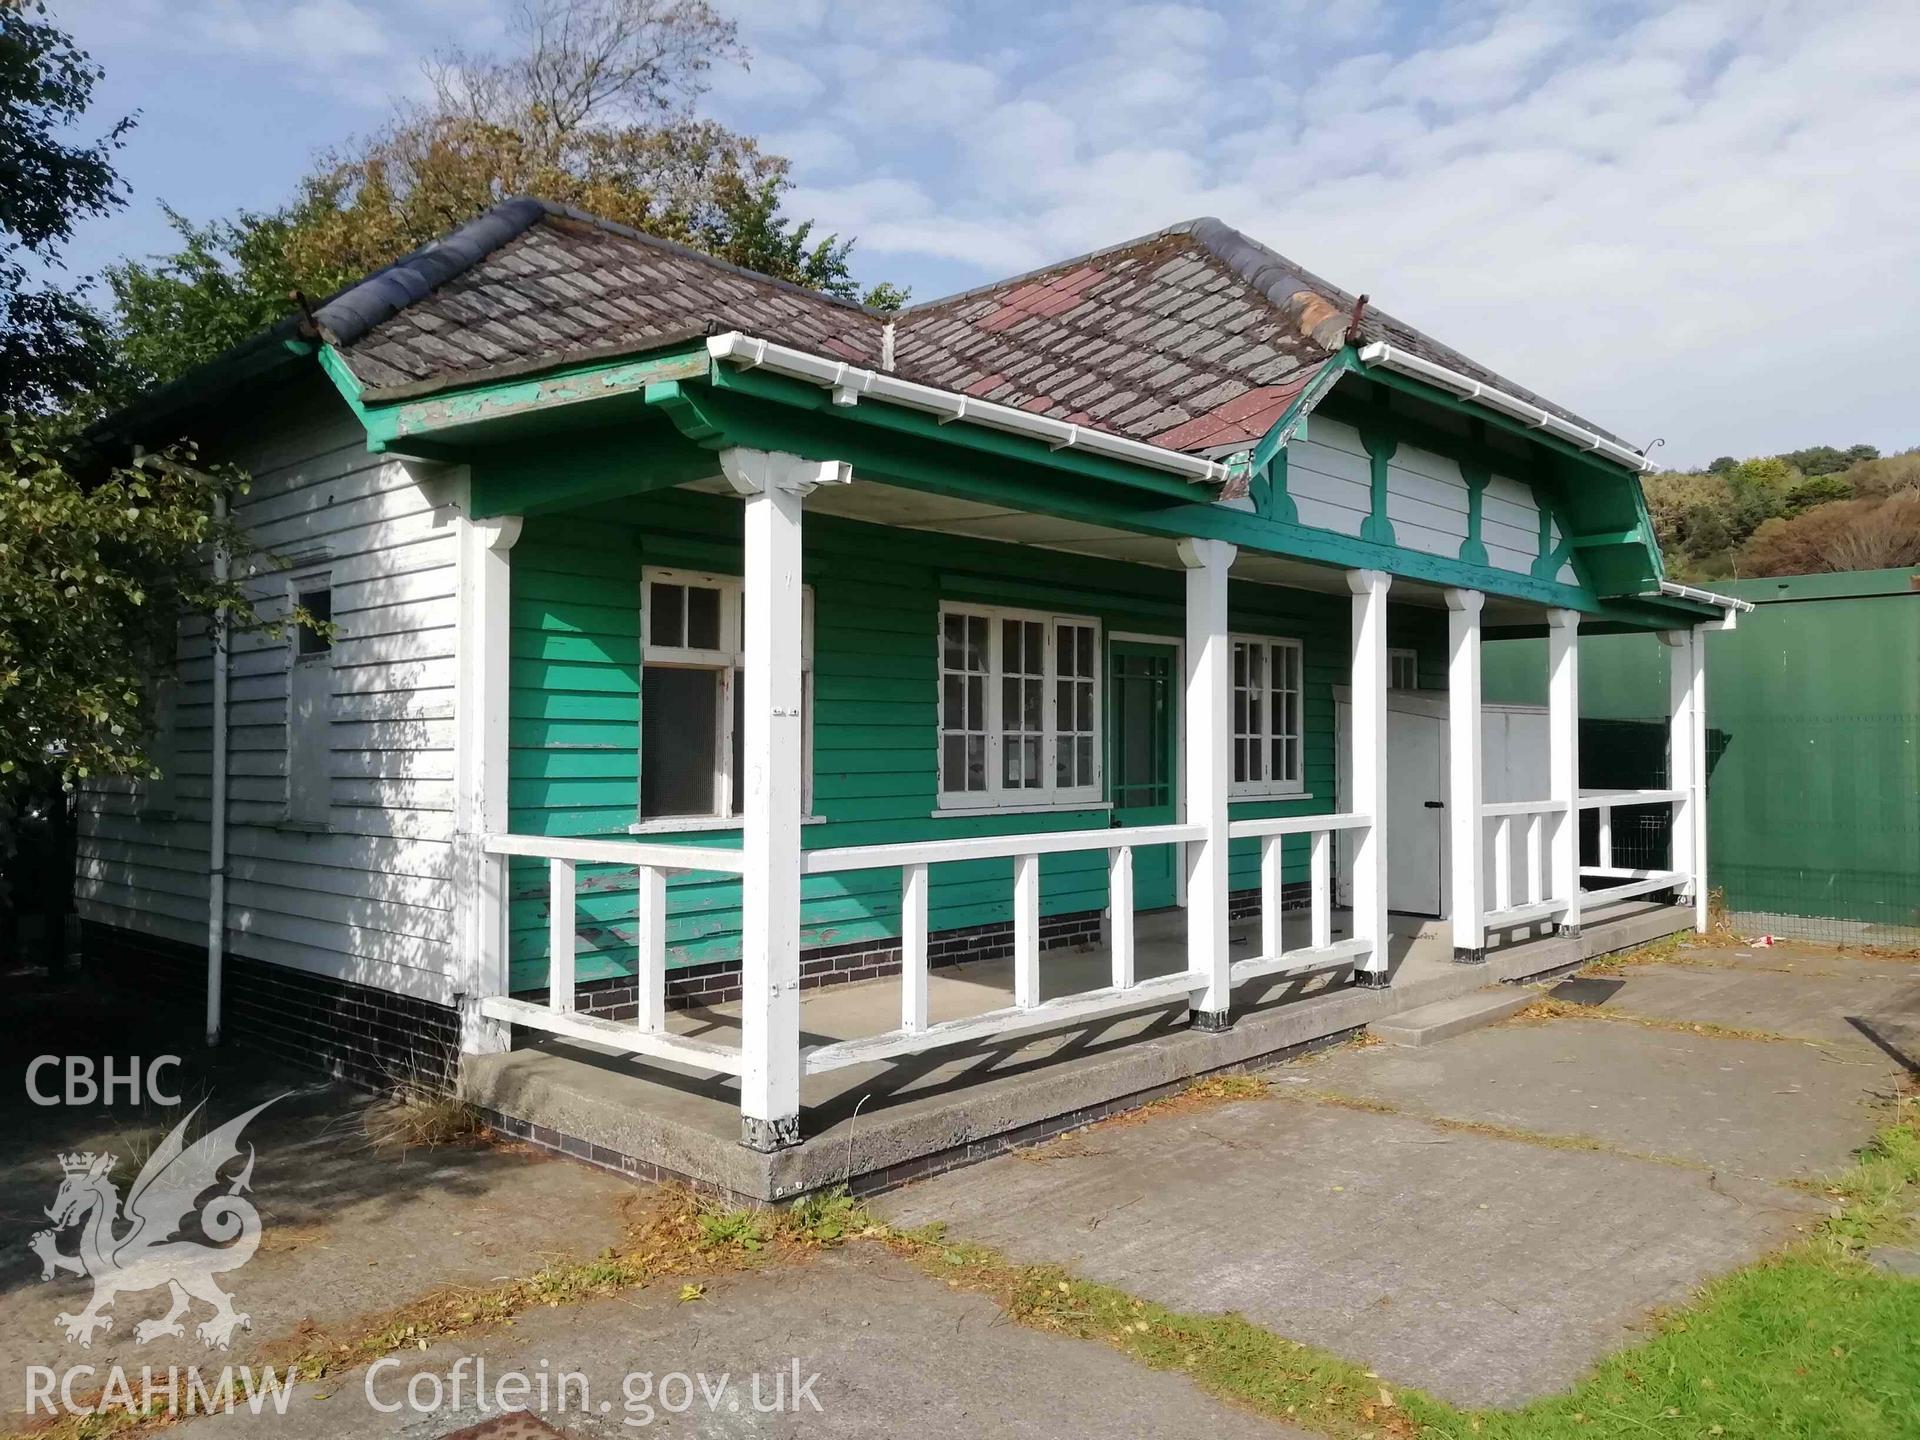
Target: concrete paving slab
1488 1271
1805 958
345 1228
1875 1008
1778 1109
1442 1020
896 1354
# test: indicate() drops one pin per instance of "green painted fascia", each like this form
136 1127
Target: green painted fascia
458 411
890 443
573 385
350 388
885 453
1001 445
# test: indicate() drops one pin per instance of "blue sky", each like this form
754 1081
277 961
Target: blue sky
1696 221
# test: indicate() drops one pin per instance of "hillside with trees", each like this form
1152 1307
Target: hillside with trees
1796 513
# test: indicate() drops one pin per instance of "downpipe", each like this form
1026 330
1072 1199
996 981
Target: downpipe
217 829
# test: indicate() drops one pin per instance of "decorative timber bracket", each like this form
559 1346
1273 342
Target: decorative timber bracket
755 472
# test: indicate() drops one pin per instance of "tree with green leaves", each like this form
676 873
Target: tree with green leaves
94 579
53 346
97 564
590 107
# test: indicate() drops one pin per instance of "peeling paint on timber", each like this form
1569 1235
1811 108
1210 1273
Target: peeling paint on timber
545 392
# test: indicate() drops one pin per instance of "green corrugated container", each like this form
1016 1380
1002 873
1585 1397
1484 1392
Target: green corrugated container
1813 712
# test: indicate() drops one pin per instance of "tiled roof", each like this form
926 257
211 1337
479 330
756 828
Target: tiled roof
563 285
1194 338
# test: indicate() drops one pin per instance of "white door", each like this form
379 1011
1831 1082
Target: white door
1416 811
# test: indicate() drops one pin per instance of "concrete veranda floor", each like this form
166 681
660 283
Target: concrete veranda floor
878 1123
1483 1218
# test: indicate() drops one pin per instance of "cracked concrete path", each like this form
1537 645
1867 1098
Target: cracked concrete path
346 1229
1485 1270
1840 1000
896 1352
1481 1264
1781 1109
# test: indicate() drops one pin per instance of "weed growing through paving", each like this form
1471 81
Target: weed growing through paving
415 1116
1548 1008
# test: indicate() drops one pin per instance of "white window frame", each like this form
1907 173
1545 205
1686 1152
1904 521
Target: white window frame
1398 656
727 663
997 796
1266 786
301 582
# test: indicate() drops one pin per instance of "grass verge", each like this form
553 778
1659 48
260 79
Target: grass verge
1809 1344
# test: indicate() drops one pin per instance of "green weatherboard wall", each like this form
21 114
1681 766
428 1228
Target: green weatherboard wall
1813 713
575 710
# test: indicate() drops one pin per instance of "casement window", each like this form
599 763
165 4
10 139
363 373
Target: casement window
1266 716
1403 670
1019 708
693 702
310 703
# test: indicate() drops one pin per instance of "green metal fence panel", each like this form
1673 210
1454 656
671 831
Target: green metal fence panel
1813 748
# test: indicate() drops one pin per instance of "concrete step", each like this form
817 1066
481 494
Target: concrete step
1444 1019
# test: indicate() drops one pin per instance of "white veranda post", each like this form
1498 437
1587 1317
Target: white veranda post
773 486
1687 761
480 798
1465 783
1369 790
1209 774
1563 760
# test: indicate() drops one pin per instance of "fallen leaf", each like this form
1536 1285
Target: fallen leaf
692 1292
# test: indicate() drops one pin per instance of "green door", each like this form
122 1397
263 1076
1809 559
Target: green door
1142 749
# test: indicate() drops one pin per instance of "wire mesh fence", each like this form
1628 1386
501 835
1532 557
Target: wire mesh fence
1813 819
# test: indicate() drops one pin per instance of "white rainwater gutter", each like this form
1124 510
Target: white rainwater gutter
1675 590
1467 388
850 383
217 845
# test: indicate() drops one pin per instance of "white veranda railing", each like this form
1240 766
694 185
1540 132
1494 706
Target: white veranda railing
1535 898
647 1033
1321 948
1028 1011
1615 882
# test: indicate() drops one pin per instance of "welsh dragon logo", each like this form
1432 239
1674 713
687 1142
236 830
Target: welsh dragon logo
145 1255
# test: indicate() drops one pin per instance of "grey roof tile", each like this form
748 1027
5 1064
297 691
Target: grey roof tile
1152 337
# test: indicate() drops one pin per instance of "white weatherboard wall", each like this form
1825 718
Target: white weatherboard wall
1426 501
1330 480
1330 477
366 897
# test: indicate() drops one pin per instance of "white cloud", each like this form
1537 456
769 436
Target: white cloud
1671 217
368 56
919 93
816 150
769 78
